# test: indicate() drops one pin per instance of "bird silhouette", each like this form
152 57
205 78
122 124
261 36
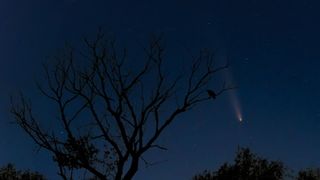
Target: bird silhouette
211 94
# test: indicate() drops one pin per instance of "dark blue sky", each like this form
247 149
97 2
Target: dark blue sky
273 48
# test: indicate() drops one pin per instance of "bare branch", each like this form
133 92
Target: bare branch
110 113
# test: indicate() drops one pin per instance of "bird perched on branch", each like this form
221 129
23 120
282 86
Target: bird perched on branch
211 94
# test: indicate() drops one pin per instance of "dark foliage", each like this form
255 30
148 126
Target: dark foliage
9 172
246 166
309 174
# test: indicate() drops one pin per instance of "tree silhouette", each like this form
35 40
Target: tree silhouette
9 172
111 112
247 166
309 174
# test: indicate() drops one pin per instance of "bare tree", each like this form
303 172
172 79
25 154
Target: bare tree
110 112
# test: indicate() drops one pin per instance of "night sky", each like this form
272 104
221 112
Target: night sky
273 48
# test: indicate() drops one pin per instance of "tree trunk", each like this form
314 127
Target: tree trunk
119 171
133 169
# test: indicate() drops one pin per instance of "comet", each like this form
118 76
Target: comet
234 99
240 119
236 106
